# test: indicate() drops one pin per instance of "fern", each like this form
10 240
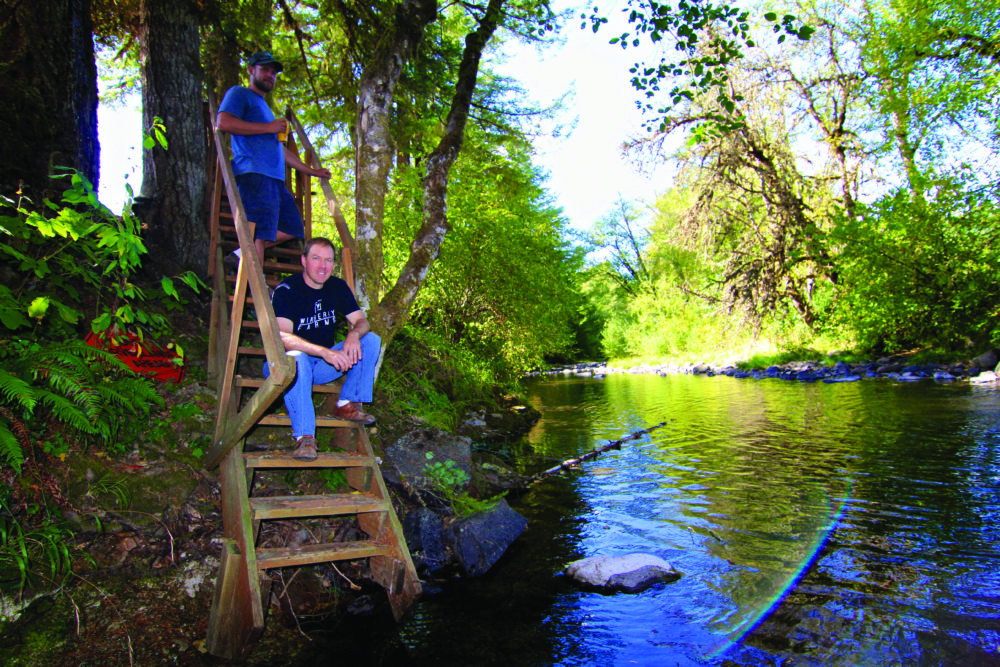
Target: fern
15 390
10 448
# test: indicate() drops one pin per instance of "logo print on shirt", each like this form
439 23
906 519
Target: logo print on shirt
318 306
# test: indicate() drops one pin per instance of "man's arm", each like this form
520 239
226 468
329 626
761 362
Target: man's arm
339 359
232 124
293 161
359 327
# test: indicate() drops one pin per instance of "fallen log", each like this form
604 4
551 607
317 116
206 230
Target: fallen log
569 463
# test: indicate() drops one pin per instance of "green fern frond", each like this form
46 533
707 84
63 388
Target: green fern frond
10 448
17 391
134 394
71 413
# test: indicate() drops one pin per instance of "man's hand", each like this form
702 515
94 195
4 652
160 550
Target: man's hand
321 173
340 359
352 346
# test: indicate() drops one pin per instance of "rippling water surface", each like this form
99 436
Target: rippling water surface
841 524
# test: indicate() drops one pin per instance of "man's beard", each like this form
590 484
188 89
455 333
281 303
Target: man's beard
260 84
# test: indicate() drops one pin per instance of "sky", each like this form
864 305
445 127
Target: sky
587 173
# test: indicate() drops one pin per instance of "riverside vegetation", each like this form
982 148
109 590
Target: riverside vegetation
841 195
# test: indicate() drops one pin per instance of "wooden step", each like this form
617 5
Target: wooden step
293 507
319 553
323 460
229 245
271 282
257 382
283 420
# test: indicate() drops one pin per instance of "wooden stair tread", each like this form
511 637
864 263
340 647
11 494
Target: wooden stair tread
257 382
271 282
283 420
320 553
287 507
323 460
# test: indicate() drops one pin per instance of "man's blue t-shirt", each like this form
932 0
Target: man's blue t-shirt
313 312
259 153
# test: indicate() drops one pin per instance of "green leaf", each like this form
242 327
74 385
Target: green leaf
39 306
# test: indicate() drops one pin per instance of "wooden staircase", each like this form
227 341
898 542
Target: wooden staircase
243 584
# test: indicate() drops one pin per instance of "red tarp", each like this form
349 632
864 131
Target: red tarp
142 356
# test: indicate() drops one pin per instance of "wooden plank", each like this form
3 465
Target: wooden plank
222 617
390 530
332 388
286 507
242 607
323 460
234 429
284 420
319 553
331 198
213 226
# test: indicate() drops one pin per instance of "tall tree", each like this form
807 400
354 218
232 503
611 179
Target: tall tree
173 185
48 112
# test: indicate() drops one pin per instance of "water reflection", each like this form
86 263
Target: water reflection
850 524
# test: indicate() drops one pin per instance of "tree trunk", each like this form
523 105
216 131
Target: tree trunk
48 111
375 150
393 310
173 185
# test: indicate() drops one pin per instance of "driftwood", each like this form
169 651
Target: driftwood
569 463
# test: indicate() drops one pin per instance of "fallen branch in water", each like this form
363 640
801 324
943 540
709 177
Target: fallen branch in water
569 463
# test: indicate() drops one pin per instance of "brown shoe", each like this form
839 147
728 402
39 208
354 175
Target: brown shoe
353 413
306 451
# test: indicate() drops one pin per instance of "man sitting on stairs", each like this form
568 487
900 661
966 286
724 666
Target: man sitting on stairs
306 306
259 157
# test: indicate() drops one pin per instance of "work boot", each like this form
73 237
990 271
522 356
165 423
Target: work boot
353 413
306 451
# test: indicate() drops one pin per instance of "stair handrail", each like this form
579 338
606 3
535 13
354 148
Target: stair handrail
282 369
332 202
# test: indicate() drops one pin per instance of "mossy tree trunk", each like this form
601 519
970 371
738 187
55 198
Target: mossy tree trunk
173 185
48 109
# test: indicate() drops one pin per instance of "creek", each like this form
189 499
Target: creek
816 524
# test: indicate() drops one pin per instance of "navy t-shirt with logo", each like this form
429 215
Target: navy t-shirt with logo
314 312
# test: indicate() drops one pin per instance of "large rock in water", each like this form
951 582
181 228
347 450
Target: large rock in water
479 540
425 536
630 574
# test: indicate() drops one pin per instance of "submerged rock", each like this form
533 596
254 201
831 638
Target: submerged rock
630 574
478 541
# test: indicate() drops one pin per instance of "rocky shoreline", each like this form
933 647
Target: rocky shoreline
980 370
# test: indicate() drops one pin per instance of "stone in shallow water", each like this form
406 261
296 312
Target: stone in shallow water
631 573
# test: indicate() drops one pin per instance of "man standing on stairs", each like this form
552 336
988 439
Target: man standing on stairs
259 158
306 306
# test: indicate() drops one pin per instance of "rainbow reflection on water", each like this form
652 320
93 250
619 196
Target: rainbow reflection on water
819 540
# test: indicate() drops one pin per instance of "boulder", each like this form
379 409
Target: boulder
479 540
630 574
409 455
987 360
984 378
425 536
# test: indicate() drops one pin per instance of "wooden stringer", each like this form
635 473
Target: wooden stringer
242 587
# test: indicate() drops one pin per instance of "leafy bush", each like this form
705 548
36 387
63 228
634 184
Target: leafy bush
450 480
56 264
920 273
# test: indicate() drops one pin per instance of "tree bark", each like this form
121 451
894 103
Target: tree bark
393 310
375 150
48 111
173 185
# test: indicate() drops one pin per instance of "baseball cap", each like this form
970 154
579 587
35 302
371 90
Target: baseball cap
264 58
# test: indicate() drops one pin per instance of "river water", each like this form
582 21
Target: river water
818 524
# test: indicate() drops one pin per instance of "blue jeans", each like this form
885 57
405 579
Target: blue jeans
358 383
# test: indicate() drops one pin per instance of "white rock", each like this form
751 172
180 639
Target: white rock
631 572
984 378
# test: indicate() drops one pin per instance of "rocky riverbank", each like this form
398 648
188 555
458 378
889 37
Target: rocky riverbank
979 370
